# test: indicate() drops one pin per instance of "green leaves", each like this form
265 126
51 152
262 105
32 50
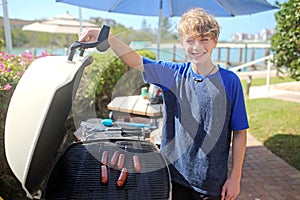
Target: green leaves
286 41
107 77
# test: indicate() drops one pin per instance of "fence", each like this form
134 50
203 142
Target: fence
268 71
225 54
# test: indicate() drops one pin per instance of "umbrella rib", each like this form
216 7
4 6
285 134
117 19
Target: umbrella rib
115 6
220 3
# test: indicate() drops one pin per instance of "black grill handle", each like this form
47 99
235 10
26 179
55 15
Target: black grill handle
101 44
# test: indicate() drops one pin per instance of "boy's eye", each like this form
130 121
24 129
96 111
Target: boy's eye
204 39
190 40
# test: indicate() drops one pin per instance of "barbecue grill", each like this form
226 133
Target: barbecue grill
77 174
34 135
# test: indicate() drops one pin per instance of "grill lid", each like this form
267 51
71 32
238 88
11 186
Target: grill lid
38 109
36 116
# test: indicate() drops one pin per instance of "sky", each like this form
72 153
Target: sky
38 9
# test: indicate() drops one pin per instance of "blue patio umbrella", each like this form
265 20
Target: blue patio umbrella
171 8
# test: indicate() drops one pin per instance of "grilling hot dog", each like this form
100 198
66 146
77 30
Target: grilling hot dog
121 161
122 178
104 175
104 158
136 163
114 158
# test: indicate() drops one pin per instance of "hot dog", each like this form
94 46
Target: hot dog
136 163
104 158
114 158
122 178
121 161
104 175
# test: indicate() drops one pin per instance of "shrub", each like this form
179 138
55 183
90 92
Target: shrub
107 77
285 42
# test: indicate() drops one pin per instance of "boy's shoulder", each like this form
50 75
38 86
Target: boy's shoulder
171 64
228 74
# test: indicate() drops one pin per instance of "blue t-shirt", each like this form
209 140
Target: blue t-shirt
198 121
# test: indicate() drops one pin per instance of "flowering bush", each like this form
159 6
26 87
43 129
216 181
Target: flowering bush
13 66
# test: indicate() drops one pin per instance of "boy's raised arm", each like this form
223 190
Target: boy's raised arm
122 50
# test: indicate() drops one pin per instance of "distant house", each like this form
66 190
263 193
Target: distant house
16 23
264 35
242 36
109 22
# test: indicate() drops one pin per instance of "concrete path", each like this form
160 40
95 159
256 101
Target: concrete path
284 91
289 91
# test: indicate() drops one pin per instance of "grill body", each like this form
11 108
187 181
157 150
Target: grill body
77 173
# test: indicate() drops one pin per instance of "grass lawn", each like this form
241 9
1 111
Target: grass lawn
276 124
262 81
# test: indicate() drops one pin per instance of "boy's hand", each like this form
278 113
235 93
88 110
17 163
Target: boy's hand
89 35
230 189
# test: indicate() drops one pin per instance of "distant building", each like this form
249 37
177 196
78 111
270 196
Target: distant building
109 22
16 23
264 35
99 20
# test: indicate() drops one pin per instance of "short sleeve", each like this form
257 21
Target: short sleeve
234 91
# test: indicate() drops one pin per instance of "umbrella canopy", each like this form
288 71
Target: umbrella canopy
65 23
172 8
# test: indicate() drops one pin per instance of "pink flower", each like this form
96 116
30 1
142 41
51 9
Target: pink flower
7 87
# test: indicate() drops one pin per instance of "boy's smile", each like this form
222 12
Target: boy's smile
197 54
199 49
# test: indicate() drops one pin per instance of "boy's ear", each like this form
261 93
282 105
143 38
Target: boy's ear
216 42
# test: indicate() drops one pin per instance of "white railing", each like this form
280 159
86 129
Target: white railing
268 58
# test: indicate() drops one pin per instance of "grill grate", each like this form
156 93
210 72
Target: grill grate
77 174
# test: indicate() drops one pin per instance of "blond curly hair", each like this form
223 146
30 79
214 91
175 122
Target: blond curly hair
198 23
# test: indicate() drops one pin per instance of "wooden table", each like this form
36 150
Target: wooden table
136 105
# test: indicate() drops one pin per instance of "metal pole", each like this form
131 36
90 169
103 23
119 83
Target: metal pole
80 19
249 82
268 75
245 53
6 27
159 29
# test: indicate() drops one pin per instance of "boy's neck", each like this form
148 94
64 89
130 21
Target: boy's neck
204 68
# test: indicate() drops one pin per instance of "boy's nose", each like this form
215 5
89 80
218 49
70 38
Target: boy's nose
197 44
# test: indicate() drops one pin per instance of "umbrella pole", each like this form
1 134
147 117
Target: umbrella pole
159 29
6 27
80 18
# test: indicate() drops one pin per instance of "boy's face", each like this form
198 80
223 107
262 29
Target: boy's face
198 49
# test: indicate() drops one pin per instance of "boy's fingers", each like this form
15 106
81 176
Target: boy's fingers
223 193
83 35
